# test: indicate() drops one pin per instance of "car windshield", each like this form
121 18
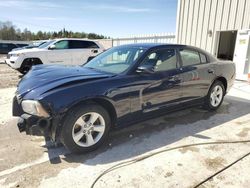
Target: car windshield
46 44
116 60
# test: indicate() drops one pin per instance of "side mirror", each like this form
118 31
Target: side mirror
52 47
145 69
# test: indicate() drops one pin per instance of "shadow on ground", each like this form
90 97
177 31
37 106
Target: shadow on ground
156 133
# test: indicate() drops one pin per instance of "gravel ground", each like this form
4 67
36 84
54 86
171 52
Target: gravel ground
9 79
28 161
8 76
2 58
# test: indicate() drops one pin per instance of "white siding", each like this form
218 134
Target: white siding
205 24
190 21
211 23
180 19
195 23
233 10
197 17
225 14
246 22
153 38
185 21
240 13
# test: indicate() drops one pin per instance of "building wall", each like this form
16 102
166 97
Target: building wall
152 38
106 43
199 20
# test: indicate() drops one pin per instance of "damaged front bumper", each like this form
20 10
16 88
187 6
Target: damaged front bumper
34 125
31 124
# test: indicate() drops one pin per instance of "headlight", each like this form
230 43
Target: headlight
16 55
34 108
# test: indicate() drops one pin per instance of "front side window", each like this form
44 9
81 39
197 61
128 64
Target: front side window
162 60
189 57
116 60
64 44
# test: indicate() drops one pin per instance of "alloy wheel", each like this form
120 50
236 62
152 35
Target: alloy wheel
216 96
88 129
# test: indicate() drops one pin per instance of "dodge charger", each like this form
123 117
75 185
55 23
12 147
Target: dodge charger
79 105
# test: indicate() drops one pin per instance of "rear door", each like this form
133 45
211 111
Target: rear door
196 73
82 50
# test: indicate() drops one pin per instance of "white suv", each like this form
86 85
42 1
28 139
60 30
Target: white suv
62 51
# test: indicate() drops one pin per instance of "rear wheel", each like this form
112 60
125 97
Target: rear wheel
85 128
215 96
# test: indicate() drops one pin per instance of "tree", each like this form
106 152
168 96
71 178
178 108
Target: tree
9 32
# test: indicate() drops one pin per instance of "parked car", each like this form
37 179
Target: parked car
78 105
33 45
6 47
58 51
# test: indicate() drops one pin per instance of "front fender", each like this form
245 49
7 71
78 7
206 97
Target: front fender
58 119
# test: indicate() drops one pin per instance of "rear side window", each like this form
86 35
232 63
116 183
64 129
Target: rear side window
76 44
203 58
189 57
91 44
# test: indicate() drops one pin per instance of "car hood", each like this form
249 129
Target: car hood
43 78
26 50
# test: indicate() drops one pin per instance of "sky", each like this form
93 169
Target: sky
113 18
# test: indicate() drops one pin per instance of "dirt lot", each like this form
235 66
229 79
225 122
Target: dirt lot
2 58
8 76
28 161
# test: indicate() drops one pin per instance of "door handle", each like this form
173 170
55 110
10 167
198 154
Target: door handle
210 71
94 51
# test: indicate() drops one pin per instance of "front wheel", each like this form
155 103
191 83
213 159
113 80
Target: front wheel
215 96
85 128
28 63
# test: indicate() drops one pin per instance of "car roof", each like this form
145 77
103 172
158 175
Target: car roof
152 45
84 39
155 45
162 45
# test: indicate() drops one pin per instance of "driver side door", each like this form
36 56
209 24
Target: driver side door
60 54
161 88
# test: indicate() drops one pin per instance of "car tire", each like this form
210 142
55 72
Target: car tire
85 128
27 64
24 69
215 96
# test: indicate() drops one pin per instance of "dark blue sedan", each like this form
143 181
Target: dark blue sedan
79 105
